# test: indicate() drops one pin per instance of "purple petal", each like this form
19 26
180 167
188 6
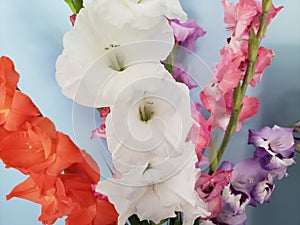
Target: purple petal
263 190
246 174
181 75
186 33
226 165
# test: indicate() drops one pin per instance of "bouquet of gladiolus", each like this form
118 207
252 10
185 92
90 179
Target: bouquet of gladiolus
126 59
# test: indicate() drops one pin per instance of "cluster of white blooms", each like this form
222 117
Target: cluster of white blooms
112 58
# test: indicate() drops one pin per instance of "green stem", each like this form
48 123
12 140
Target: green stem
240 90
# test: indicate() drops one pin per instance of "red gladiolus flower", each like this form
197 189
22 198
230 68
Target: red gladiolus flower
38 148
15 107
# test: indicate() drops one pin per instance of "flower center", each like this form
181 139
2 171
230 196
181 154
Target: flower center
117 64
146 111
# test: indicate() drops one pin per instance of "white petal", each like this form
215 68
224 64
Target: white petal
142 14
158 201
175 11
85 65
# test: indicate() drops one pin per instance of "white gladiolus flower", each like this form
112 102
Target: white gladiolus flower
142 14
95 50
149 122
158 201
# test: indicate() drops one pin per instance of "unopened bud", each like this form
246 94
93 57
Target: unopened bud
72 19
266 5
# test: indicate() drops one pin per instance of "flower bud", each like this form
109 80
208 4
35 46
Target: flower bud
266 5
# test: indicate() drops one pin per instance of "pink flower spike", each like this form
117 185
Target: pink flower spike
186 33
72 19
239 17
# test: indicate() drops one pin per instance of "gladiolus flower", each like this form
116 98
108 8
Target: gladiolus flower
186 33
210 188
174 194
15 107
96 50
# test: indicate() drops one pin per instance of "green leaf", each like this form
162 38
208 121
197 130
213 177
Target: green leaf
75 5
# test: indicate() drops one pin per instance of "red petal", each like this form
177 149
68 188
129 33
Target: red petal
22 109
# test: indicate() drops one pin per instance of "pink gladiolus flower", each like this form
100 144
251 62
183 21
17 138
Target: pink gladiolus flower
220 106
199 133
234 59
265 57
186 33
210 187
244 16
228 72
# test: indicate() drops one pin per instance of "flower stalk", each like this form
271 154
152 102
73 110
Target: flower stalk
240 90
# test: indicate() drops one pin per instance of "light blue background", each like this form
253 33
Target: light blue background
31 34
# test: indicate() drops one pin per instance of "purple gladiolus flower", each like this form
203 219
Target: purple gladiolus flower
262 191
276 140
246 174
275 148
181 75
186 33
234 205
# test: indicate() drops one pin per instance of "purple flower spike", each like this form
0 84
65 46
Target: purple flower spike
186 33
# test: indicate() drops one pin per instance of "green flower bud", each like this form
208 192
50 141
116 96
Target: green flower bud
266 5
